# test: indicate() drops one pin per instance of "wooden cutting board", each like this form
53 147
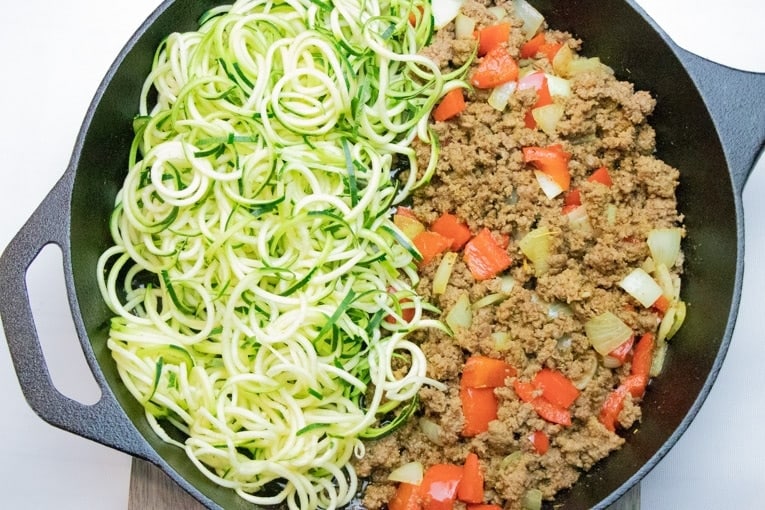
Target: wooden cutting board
151 489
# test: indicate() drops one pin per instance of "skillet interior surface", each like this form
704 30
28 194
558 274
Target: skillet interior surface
687 139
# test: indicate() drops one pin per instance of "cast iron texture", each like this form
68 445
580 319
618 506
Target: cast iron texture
710 123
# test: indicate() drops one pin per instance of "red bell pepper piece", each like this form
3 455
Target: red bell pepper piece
492 36
430 245
538 82
571 200
661 304
573 197
485 257
479 408
549 50
602 176
530 48
470 489
451 105
407 497
634 384
405 211
622 352
551 412
612 406
448 225
438 490
552 160
496 68
640 370
524 390
556 387
538 44
539 441
527 392
485 372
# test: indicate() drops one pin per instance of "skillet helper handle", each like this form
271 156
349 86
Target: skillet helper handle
736 100
104 421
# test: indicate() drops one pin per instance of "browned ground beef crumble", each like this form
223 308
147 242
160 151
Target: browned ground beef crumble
482 179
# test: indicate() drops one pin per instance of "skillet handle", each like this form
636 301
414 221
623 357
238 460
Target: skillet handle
736 101
105 421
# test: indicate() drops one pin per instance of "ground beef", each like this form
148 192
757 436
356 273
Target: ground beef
482 179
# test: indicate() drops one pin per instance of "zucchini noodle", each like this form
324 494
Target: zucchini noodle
257 281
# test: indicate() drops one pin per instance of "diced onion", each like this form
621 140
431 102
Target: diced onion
606 332
680 311
562 61
501 340
464 27
590 368
664 244
444 272
664 279
510 461
547 117
488 301
582 65
532 500
657 363
558 309
550 188
460 316
564 343
579 220
642 287
444 11
536 246
498 12
611 362
611 214
408 225
411 472
431 430
648 265
506 284
500 95
558 86
532 18
666 323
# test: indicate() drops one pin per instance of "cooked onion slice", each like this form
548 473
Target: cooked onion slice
444 272
532 18
411 472
464 27
460 316
501 94
547 117
498 12
558 86
536 246
664 244
444 11
432 430
642 287
589 369
606 332
578 219
502 340
550 188
562 60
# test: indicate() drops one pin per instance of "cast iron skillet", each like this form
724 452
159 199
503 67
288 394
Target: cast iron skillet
710 123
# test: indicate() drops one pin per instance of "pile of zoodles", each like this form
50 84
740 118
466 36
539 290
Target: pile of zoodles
262 296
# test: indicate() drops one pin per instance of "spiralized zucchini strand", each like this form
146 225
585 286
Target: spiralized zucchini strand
256 278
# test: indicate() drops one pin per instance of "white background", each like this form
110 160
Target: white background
54 55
